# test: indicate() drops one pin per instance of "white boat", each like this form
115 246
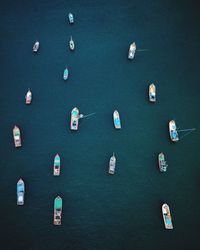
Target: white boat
20 192
162 162
116 120
65 74
28 97
173 131
132 50
71 18
17 137
167 216
71 44
112 164
36 46
56 165
74 119
152 93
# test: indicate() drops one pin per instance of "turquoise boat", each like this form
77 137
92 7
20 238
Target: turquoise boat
167 216
116 120
66 74
57 211
56 166
20 192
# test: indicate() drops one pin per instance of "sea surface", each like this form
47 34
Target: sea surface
100 212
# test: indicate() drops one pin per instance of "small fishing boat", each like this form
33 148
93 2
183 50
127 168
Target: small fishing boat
66 74
28 97
152 93
57 211
173 131
71 18
56 165
116 119
71 44
167 216
17 136
74 119
112 164
36 46
132 50
162 163
20 192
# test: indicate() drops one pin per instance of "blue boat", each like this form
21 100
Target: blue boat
71 18
66 74
173 131
20 192
167 216
116 120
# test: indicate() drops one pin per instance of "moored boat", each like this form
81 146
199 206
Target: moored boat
173 131
20 192
74 119
167 216
71 44
132 50
36 46
57 211
28 97
71 18
112 164
65 74
17 136
152 93
56 165
162 163
116 119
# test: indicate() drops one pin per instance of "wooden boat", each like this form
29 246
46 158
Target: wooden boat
132 50
173 131
28 97
17 136
71 18
57 211
71 44
162 163
36 46
167 216
112 164
20 192
65 74
56 165
116 120
74 119
152 93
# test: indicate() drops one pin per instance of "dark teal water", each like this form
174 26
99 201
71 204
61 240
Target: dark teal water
100 212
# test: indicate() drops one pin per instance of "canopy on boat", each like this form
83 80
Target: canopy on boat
58 203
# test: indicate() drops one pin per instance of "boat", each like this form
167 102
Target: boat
71 44
28 97
66 74
17 137
71 18
152 93
20 192
74 119
167 216
36 46
173 131
131 52
57 211
162 163
112 164
56 165
116 120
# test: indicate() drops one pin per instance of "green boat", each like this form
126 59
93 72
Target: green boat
57 211
65 74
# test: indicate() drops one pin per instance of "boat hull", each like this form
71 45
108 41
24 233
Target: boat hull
36 46
71 18
116 120
28 97
173 131
56 167
152 93
65 74
57 211
20 192
74 119
112 165
167 217
132 50
17 137
162 163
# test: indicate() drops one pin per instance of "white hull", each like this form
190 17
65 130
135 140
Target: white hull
74 119
112 164
173 131
167 217
152 93
36 46
132 50
116 120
